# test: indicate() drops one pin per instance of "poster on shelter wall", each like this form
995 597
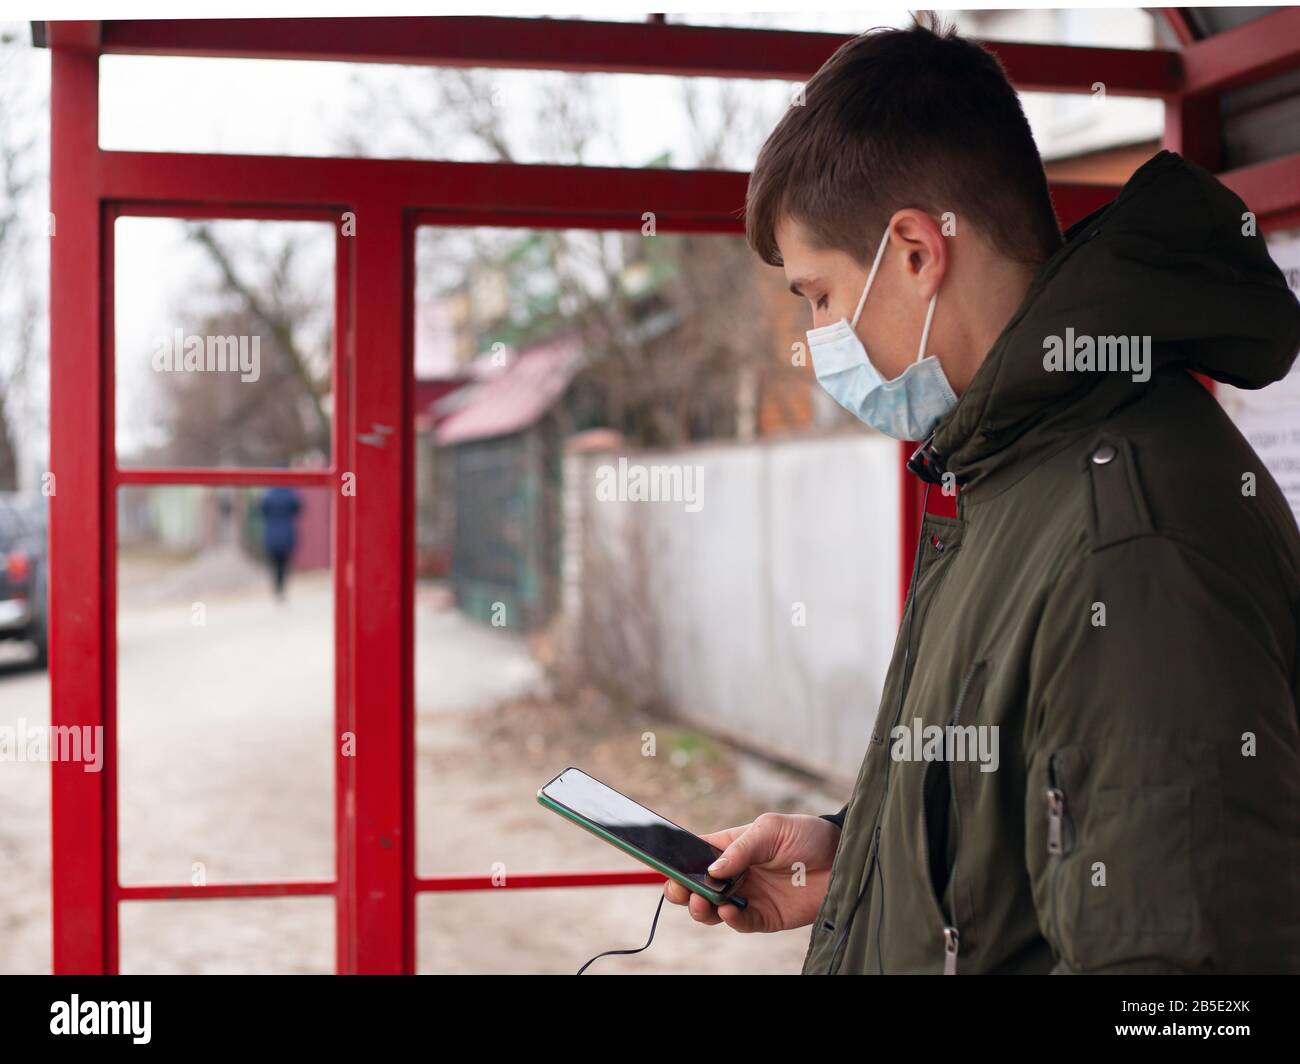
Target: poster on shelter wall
1270 417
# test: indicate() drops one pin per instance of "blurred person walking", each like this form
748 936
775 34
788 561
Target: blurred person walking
280 509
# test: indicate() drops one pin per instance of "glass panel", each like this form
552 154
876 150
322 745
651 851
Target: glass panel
479 114
1269 417
224 338
1093 138
550 622
1109 27
228 936
25 825
225 690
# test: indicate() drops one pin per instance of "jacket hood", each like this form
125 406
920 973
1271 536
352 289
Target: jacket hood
1165 260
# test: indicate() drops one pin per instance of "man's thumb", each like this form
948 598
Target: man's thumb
742 853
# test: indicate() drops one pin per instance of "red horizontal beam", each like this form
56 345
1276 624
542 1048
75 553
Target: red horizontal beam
1270 190
73 36
581 45
186 892
235 478
610 195
451 193
1251 52
538 881
1062 68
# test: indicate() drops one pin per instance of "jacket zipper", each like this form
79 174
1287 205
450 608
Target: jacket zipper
951 936
837 945
940 570
909 669
1056 813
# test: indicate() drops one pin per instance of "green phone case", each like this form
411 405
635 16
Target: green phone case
640 855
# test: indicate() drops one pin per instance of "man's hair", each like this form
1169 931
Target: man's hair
903 118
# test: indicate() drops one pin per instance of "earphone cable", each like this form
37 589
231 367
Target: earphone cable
628 952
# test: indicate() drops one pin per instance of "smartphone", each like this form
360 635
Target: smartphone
640 832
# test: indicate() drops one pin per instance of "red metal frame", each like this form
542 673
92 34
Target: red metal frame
1251 52
584 45
1176 19
376 884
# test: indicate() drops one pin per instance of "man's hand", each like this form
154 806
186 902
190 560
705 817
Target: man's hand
772 848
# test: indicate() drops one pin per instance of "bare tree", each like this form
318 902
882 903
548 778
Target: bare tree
665 363
22 222
259 290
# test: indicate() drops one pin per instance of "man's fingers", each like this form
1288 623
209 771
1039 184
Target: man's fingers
724 838
702 910
739 919
675 892
754 845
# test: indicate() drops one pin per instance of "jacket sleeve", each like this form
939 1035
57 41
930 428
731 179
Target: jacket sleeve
1162 804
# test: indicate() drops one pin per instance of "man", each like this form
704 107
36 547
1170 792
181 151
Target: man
1113 613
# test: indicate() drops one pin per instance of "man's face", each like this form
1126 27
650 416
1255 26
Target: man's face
832 282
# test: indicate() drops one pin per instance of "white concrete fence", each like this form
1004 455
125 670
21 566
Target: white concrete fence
757 599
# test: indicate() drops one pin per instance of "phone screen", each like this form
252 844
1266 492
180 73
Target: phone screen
636 825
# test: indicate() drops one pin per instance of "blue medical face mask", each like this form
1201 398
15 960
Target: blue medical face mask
906 408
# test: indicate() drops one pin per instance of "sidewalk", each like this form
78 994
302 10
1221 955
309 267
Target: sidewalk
226 760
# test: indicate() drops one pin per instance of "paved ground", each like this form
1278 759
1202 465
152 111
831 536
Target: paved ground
24 825
225 754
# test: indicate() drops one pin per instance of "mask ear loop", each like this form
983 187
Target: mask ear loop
875 265
925 332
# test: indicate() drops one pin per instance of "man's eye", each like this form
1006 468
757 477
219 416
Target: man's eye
821 303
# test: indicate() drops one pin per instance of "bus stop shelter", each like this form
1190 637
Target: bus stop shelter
375 886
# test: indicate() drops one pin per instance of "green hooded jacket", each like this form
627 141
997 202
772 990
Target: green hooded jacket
1114 612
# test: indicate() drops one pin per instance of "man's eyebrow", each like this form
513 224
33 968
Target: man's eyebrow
796 286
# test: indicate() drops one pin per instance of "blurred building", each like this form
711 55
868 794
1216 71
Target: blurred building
496 476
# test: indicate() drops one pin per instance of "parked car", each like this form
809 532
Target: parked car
23 574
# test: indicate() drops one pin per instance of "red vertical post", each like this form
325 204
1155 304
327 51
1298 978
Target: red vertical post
1193 129
81 873
909 520
912 508
341 514
379 898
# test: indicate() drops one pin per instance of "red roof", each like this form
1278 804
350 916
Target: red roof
515 398
428 392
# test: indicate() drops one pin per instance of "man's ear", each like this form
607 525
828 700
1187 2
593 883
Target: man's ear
924 258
